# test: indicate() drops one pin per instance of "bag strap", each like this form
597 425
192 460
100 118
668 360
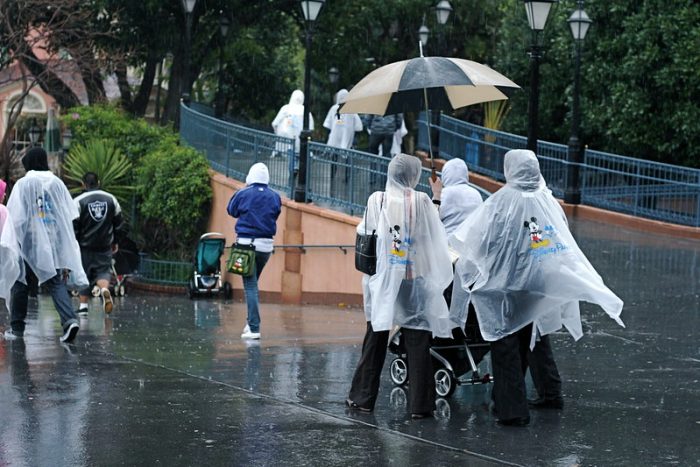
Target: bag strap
381 206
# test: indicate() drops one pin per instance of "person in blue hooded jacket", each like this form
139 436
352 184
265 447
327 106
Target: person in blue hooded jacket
257 208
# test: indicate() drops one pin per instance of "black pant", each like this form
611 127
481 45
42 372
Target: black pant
543 369
365 381
510 358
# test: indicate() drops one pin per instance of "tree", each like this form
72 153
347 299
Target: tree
46 43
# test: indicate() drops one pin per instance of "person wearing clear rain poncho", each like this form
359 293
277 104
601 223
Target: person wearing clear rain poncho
43 213
523 271
413 269
288 123
9 250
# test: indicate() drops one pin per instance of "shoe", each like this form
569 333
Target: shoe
353 406
542 403
250 335
246 329
518 421
11 335
83 312
70 332
106 301
422 415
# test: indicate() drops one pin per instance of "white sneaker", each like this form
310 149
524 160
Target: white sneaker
106 301
246 329
250 335
10 335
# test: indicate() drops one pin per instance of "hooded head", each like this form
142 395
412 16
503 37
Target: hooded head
404 172
340 96
455 172
258 173
3 187
35 159
522 170
297 97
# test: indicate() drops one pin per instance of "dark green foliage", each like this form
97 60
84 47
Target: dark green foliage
173 185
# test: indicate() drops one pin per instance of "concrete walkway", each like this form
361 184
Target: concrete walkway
167 381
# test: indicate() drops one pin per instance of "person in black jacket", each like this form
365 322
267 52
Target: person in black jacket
98 230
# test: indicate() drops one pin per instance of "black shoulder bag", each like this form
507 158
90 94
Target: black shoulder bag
366 249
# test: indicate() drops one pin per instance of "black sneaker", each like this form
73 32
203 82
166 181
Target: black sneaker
70 332
83 312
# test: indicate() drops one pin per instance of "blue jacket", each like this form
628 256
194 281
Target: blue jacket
257 208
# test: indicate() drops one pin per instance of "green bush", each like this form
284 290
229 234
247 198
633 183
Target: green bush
173 186
104 159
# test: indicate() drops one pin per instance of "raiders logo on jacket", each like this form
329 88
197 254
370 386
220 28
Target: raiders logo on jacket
100 223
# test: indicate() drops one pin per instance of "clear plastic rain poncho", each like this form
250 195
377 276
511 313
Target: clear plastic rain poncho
289 121
42 212
342 126
521 261
9 254
413 264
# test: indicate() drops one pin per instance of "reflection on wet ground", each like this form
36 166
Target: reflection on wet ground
165 380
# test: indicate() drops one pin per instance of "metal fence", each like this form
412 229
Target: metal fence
617 183
341 179
165 272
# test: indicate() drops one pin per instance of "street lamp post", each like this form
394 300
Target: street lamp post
333 75
537 13
311 9
188 6
66 139
224 24
579 23
34 133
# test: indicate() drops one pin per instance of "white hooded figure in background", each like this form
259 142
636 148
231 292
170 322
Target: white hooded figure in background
398 138
521 261
459 199
289 122
342 126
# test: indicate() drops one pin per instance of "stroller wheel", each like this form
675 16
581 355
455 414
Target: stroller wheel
444 382
190 289
399 371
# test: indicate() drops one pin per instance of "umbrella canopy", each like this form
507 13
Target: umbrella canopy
52 141
446 83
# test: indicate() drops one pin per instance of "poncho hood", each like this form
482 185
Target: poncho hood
455 172
341 96
258 173
522 170
297 98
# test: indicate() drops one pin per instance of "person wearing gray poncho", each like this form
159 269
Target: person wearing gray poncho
523 271
43 213
413 269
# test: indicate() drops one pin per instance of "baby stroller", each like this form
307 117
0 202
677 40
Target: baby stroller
206 278
125 262
452 358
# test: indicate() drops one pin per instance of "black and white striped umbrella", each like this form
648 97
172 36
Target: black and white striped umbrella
438 83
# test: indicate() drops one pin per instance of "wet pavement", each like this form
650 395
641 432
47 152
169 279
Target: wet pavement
167 381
